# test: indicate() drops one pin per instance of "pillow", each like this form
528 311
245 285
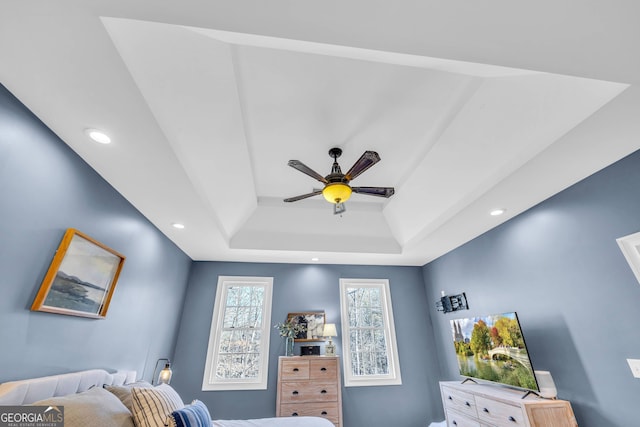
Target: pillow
152 406
94 407
194 415
123 392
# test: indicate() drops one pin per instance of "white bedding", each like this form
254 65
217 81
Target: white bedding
275 422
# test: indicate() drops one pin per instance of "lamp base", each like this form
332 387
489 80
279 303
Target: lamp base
329 350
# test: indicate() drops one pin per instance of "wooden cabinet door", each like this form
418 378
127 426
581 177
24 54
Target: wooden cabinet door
557 415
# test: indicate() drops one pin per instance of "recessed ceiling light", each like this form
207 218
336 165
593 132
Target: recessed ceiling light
178 225
98 136
315 259
497 212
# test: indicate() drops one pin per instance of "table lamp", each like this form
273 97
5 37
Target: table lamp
329 331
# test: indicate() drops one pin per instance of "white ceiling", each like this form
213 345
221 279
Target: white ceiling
470 108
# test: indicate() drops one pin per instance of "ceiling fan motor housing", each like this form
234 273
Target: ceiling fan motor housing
337 189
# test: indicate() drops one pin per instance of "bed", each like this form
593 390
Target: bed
97 398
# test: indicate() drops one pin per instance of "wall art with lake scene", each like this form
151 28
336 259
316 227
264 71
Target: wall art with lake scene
81 278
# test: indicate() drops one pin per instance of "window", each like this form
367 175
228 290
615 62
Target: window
370 351
238 353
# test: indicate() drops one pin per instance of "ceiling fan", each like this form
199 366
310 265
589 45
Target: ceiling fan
336 185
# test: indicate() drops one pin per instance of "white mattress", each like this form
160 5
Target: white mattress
276 422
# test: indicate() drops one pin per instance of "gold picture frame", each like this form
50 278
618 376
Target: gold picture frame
314 321
81 278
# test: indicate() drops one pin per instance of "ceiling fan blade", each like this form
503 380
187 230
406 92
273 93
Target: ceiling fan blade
368 159
297 164
375 191
303 196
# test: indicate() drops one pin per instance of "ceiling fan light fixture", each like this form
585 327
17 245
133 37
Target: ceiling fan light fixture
337 192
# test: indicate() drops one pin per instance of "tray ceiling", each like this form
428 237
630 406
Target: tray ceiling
203 121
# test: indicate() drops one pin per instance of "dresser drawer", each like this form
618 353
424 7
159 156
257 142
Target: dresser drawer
498 413
323 369
294 369
324 410
293 391
459 401
455 419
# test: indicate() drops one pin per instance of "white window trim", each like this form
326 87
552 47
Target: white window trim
629 245
260 383
394 377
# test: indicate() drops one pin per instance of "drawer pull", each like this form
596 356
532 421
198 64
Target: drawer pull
323 413
467 403
512 419
485 410
323 392
295 392
323 369
295 369
295 414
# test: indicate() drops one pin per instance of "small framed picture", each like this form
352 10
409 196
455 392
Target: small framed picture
81 278
313 322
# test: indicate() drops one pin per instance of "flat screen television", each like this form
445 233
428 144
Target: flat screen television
492 348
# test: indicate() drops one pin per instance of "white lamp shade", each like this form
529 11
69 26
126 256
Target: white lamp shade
329 330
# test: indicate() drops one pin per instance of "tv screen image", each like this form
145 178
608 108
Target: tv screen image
492 348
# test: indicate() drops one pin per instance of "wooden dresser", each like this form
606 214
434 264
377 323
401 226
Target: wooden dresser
476 405
309 386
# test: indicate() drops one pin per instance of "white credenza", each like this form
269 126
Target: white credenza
478 405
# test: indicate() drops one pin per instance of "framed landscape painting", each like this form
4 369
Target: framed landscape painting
81 278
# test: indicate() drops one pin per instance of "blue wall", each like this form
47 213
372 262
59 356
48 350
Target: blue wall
46 188
559 266
316 288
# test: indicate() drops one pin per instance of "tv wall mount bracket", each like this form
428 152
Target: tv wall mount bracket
449 303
